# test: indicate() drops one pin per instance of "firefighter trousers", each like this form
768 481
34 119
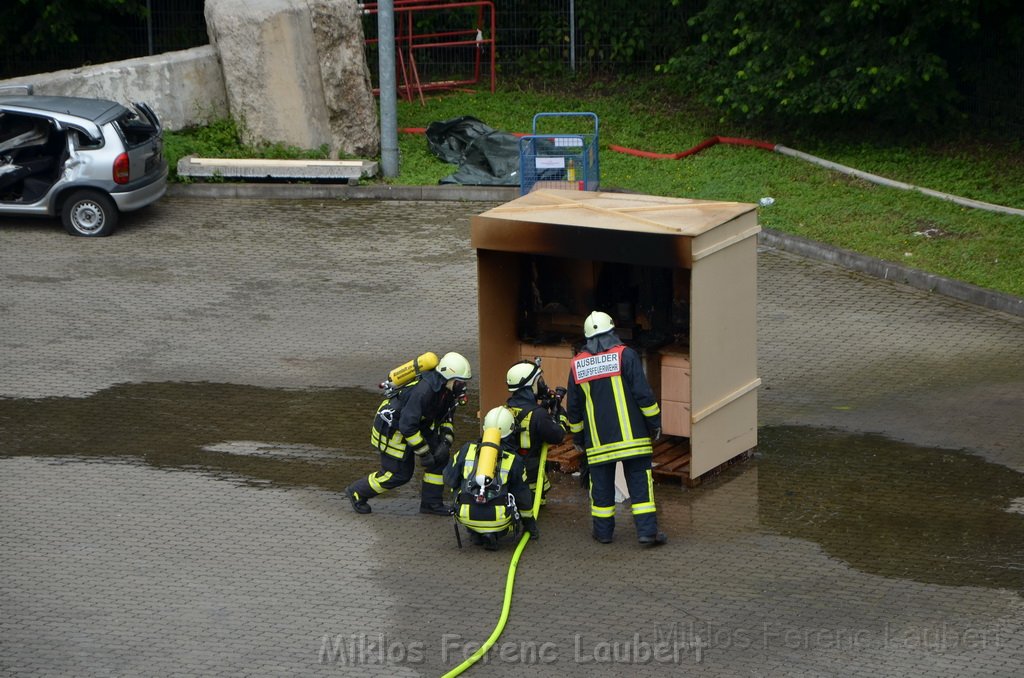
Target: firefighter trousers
395 472
641 492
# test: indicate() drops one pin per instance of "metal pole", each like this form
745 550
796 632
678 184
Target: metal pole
388 91
572 35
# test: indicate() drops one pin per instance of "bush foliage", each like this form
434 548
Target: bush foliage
33 26
892 61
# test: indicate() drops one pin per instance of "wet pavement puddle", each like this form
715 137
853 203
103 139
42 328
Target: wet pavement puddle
245 434
894 509
885 507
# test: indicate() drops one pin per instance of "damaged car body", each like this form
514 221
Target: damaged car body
85 160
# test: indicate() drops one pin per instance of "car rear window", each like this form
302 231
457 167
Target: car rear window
135 127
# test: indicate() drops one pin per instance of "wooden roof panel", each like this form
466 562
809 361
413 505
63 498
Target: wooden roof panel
619 211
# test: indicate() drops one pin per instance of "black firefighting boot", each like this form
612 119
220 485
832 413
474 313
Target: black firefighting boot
359 504
490 541
431 499
654 540
435 508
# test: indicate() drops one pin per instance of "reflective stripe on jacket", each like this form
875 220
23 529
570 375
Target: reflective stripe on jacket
414 416
611 407
536 427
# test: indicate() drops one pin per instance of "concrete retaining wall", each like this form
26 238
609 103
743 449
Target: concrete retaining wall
185 88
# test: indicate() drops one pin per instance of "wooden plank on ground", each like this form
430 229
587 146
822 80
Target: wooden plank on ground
676 464
564 456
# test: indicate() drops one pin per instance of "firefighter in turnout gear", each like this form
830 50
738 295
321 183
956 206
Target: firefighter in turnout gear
414 421
540 417
613 417
489 482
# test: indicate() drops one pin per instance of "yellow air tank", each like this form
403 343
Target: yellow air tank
403 374
488 457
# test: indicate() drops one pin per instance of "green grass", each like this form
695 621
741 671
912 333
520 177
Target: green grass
976 246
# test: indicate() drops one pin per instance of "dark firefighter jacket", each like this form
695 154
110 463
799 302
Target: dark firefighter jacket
460 475
611 407
536 426
419 413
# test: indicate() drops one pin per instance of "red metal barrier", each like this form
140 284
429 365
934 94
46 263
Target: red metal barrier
479 37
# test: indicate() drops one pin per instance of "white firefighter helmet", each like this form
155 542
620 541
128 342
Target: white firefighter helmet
454 366
523 373
597 323
502 419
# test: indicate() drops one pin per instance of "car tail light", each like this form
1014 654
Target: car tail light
122 167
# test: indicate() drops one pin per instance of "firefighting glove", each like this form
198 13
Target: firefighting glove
530 525
563 421
437 457
656 434
584 469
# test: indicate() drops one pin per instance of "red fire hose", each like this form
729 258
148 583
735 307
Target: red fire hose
707 143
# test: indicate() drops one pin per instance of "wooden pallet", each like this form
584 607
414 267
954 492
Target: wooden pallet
564 457
672 462
671 458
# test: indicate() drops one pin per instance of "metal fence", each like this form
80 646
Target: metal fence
168 25
532 38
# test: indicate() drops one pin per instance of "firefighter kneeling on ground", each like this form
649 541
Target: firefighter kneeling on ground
489 482
415 422
540 417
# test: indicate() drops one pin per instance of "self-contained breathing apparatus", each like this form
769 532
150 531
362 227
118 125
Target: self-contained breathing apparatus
407 372
529 373
548 398
398 383
551 399
484 483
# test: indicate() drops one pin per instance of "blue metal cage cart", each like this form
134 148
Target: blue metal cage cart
564 161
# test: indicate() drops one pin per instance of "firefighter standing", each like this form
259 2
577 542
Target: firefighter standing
489 482
415 423
613 417
540 418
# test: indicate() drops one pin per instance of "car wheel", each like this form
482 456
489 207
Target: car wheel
89 213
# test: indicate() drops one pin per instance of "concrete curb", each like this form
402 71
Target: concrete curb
886 270
281 191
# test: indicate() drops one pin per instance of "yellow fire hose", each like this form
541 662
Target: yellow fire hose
510 579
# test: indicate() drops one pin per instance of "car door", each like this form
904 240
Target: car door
143 137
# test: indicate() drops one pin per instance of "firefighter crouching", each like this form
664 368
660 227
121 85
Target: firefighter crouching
613 417
414 421
489 482
540 418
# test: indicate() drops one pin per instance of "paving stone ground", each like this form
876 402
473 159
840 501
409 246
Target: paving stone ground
181 404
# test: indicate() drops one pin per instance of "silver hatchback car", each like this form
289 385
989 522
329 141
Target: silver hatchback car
86 160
